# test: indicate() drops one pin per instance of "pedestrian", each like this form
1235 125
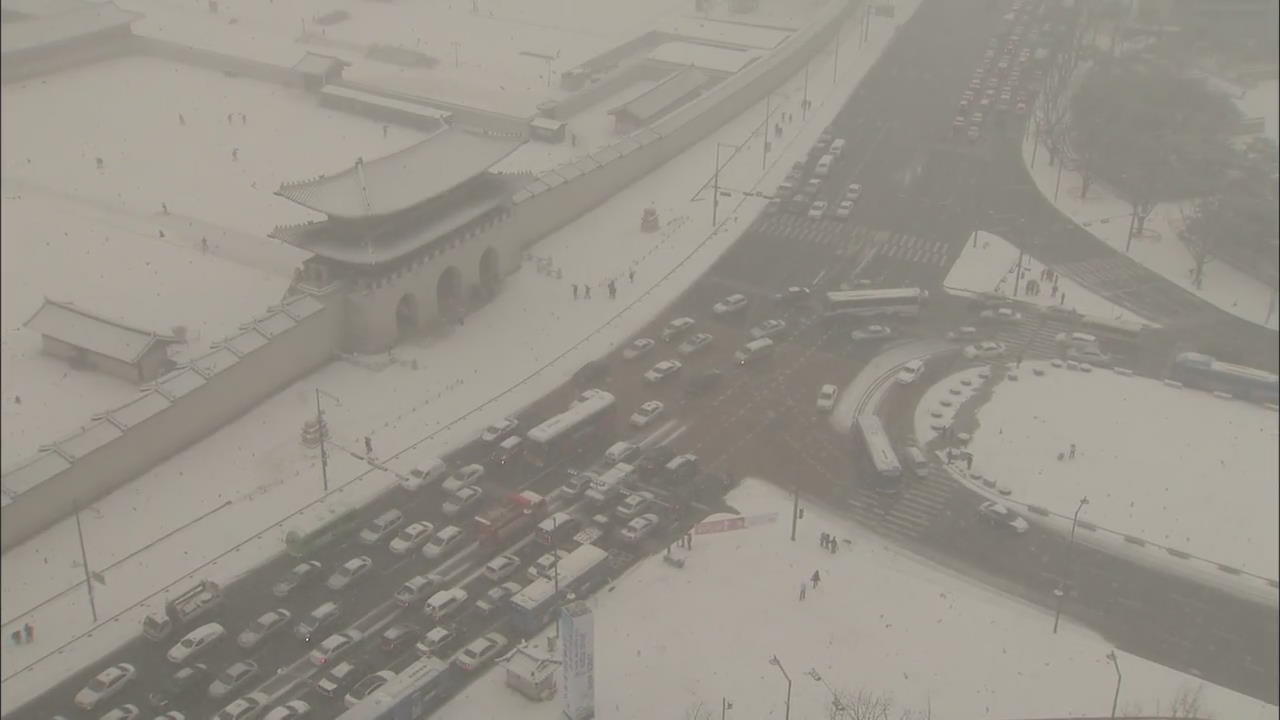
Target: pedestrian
613 289
368 445
1018 364
586 292
229 118
98 161
204 245
164 208
834 545
16 635
182 120
816 578
688 540
631 275
235 154
161 231
822 540
244 119
573 140
575 291
28 633
384 130
803 587
968 461
1062 298
1071 454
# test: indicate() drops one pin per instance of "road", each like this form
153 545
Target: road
923 190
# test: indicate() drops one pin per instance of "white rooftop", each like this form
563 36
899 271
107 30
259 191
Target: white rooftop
83 329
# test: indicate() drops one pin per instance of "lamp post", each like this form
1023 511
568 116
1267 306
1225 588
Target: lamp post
837 707
324 430
764 156
778 663
1061 591
1116 699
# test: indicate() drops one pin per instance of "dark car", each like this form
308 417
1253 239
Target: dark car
591 372
793 295
655 459
398 635
339 679
300 576
703 383
181 685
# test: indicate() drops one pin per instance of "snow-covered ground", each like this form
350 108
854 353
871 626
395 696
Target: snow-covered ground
989 264
258 464
1157 462
1262 100
668 641
1159 248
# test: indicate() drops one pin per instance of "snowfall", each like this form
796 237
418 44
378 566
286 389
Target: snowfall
674 642
1159 246
221 507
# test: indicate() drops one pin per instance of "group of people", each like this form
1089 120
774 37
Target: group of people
23 635
584 291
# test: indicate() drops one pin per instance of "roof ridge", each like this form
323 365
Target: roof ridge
72 307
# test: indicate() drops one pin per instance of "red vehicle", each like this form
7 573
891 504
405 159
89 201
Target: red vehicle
518 512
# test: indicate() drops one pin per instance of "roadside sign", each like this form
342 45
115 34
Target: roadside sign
709 527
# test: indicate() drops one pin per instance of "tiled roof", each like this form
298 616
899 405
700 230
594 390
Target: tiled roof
397 182
17 37
83 329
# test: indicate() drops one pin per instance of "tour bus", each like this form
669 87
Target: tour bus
899 302
1204 372
410 695
576 573
884 461
1127 330
566 434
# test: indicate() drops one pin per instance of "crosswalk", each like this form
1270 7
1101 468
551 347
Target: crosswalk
846 240
910 248
1034 337
910 512
1102 273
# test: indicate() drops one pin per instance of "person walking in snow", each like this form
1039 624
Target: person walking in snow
815 579
204 245
182 120
368 445
613 290
631 275
575 291
822 541
586 292
1071 453
16 635
28 633
803 587
235 154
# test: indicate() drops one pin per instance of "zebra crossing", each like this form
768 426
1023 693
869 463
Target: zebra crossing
1102 273
910 512
913 249
1031 338
847 242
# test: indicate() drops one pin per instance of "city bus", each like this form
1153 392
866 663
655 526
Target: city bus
899 302
409 696
884 461
1204 372
565 434
1127 330
575 573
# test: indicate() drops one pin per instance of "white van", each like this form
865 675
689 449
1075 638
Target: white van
753 351
444 602
824 165
1077 341
381 527
837 147
424 473
915 460
620 451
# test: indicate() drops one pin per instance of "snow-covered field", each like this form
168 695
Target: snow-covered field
668 641
258 464
1157 462
1159 247
990 265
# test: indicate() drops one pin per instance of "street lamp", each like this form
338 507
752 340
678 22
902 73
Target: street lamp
323 430
1061 591
1115 700
837 707
715 182
778 663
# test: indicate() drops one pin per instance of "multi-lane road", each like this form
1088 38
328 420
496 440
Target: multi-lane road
925 191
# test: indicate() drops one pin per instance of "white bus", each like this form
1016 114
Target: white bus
898 302
1129 330
411 695
884 460
574 573
565 434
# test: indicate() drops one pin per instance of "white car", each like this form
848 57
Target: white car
646 414
676 327
233 677
122 712
909 373
434 639
1000 315
871 332
639 528
501 567
695 343
818 209
301 574
768 328
480 651
845 209
1093 356
411 537
634 504
1000 516
367 687
731 304
827 398
461 500
492 599
104 685
465 476
984 351
498 431
853 193
246 708
333 646
544 566
663 370
195 642
967 332
266 624
350 571
292 710
446 540
414 589
638 347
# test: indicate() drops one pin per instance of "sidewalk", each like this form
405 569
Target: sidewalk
258 465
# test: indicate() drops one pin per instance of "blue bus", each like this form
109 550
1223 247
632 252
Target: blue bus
1203 372
574 573
408 697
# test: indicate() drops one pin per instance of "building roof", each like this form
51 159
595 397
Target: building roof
37 32
665 94
42 8
317 64
707 57
400 181
83 329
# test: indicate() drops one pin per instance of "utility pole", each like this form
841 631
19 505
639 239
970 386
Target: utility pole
1058 183
84 561
778 664
795 512
324 453
455 45
1116 699
1133 218
804 103
725 706
1017 279
1061 592
715 188
764 156
835 64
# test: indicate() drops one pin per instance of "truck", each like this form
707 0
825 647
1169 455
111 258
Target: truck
607 486
519 511
204 598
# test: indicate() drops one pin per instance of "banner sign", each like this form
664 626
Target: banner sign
709 527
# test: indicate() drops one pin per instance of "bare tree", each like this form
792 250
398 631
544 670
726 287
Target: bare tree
1187 703
697 711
